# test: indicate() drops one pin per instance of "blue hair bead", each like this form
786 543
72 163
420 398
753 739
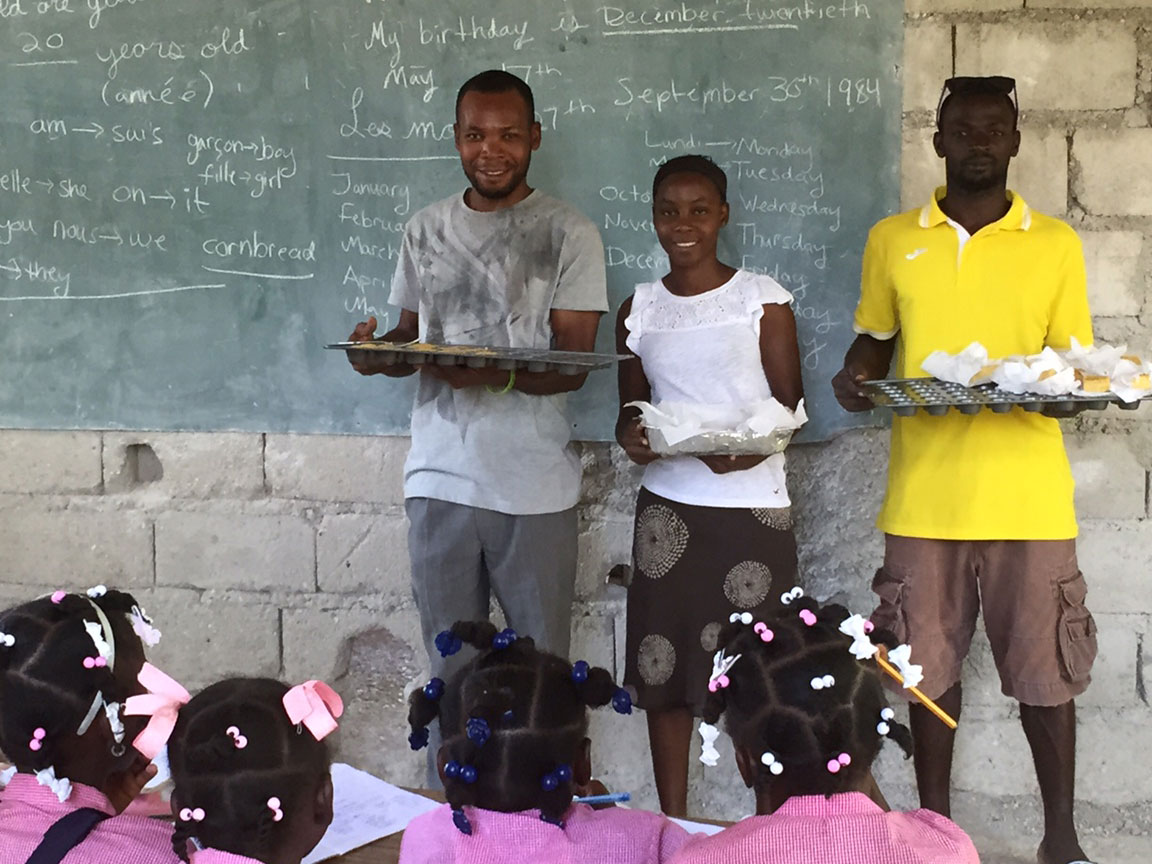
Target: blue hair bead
550 782
478 731
452 769
580 671
504 639
564 772
460 820
434 689
468 774
622 701
448 643
418 740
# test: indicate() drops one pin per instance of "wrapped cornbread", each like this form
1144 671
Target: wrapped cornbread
692 429
1113 369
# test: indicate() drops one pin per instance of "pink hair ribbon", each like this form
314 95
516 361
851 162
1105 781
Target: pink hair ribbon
162 703
315 705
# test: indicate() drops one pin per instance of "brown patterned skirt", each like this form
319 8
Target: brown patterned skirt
692 568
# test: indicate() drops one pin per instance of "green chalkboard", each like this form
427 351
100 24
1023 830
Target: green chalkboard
196 196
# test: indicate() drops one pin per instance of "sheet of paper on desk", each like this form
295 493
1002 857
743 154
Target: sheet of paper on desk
698 827
366 809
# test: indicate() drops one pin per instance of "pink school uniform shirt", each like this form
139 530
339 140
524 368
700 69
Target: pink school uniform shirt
844 829
28 809
215 856
612 836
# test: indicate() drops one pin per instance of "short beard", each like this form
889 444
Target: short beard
988 183
496 194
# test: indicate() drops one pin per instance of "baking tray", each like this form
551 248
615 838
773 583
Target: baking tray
482 356
906 396
720 443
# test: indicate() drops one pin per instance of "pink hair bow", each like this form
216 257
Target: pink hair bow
316 705
162 703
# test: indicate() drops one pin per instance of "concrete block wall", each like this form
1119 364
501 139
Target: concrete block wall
285 555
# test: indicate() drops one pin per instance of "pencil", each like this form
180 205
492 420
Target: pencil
882 659
617 798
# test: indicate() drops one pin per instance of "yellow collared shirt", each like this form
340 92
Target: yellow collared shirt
1015 286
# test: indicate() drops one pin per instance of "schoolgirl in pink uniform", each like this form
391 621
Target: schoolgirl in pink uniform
68 665
801 697
515 722
252 772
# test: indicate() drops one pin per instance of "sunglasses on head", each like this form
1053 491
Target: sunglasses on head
964 84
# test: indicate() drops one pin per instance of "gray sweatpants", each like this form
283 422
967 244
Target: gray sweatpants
461 554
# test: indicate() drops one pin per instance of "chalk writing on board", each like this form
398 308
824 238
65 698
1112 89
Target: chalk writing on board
250 167
474 29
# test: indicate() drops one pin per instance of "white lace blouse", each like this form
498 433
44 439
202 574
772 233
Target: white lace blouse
706 349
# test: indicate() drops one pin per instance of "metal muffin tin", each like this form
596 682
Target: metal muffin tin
482 356
906 396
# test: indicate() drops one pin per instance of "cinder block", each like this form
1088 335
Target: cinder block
374 729
318 640
1114 558
259 553
1116 670
1039 173
1110 481
992 755
1062 66
364 554
837 489
1108 185
593 640
192 465
924 6
49 462
333 468
209 636
609 480
1111 751
74 549
1115 277
927 63
603 544
17 595
621 756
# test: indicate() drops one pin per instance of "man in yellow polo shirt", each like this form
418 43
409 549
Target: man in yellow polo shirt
979 508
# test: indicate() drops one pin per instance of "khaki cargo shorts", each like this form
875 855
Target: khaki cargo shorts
1032 593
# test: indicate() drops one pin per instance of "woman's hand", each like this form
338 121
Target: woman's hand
634 439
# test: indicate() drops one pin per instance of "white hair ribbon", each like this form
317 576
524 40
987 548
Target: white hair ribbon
862 647
901 658
709 755
61 786
112 711
142 627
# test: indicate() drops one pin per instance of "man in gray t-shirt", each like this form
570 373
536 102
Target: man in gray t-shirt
492 480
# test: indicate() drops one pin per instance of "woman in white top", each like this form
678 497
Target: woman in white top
713 533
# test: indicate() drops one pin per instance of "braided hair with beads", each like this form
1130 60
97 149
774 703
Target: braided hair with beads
799 700
514 720
242 770
55 677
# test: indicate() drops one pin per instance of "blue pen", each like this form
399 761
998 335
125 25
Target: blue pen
617 798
